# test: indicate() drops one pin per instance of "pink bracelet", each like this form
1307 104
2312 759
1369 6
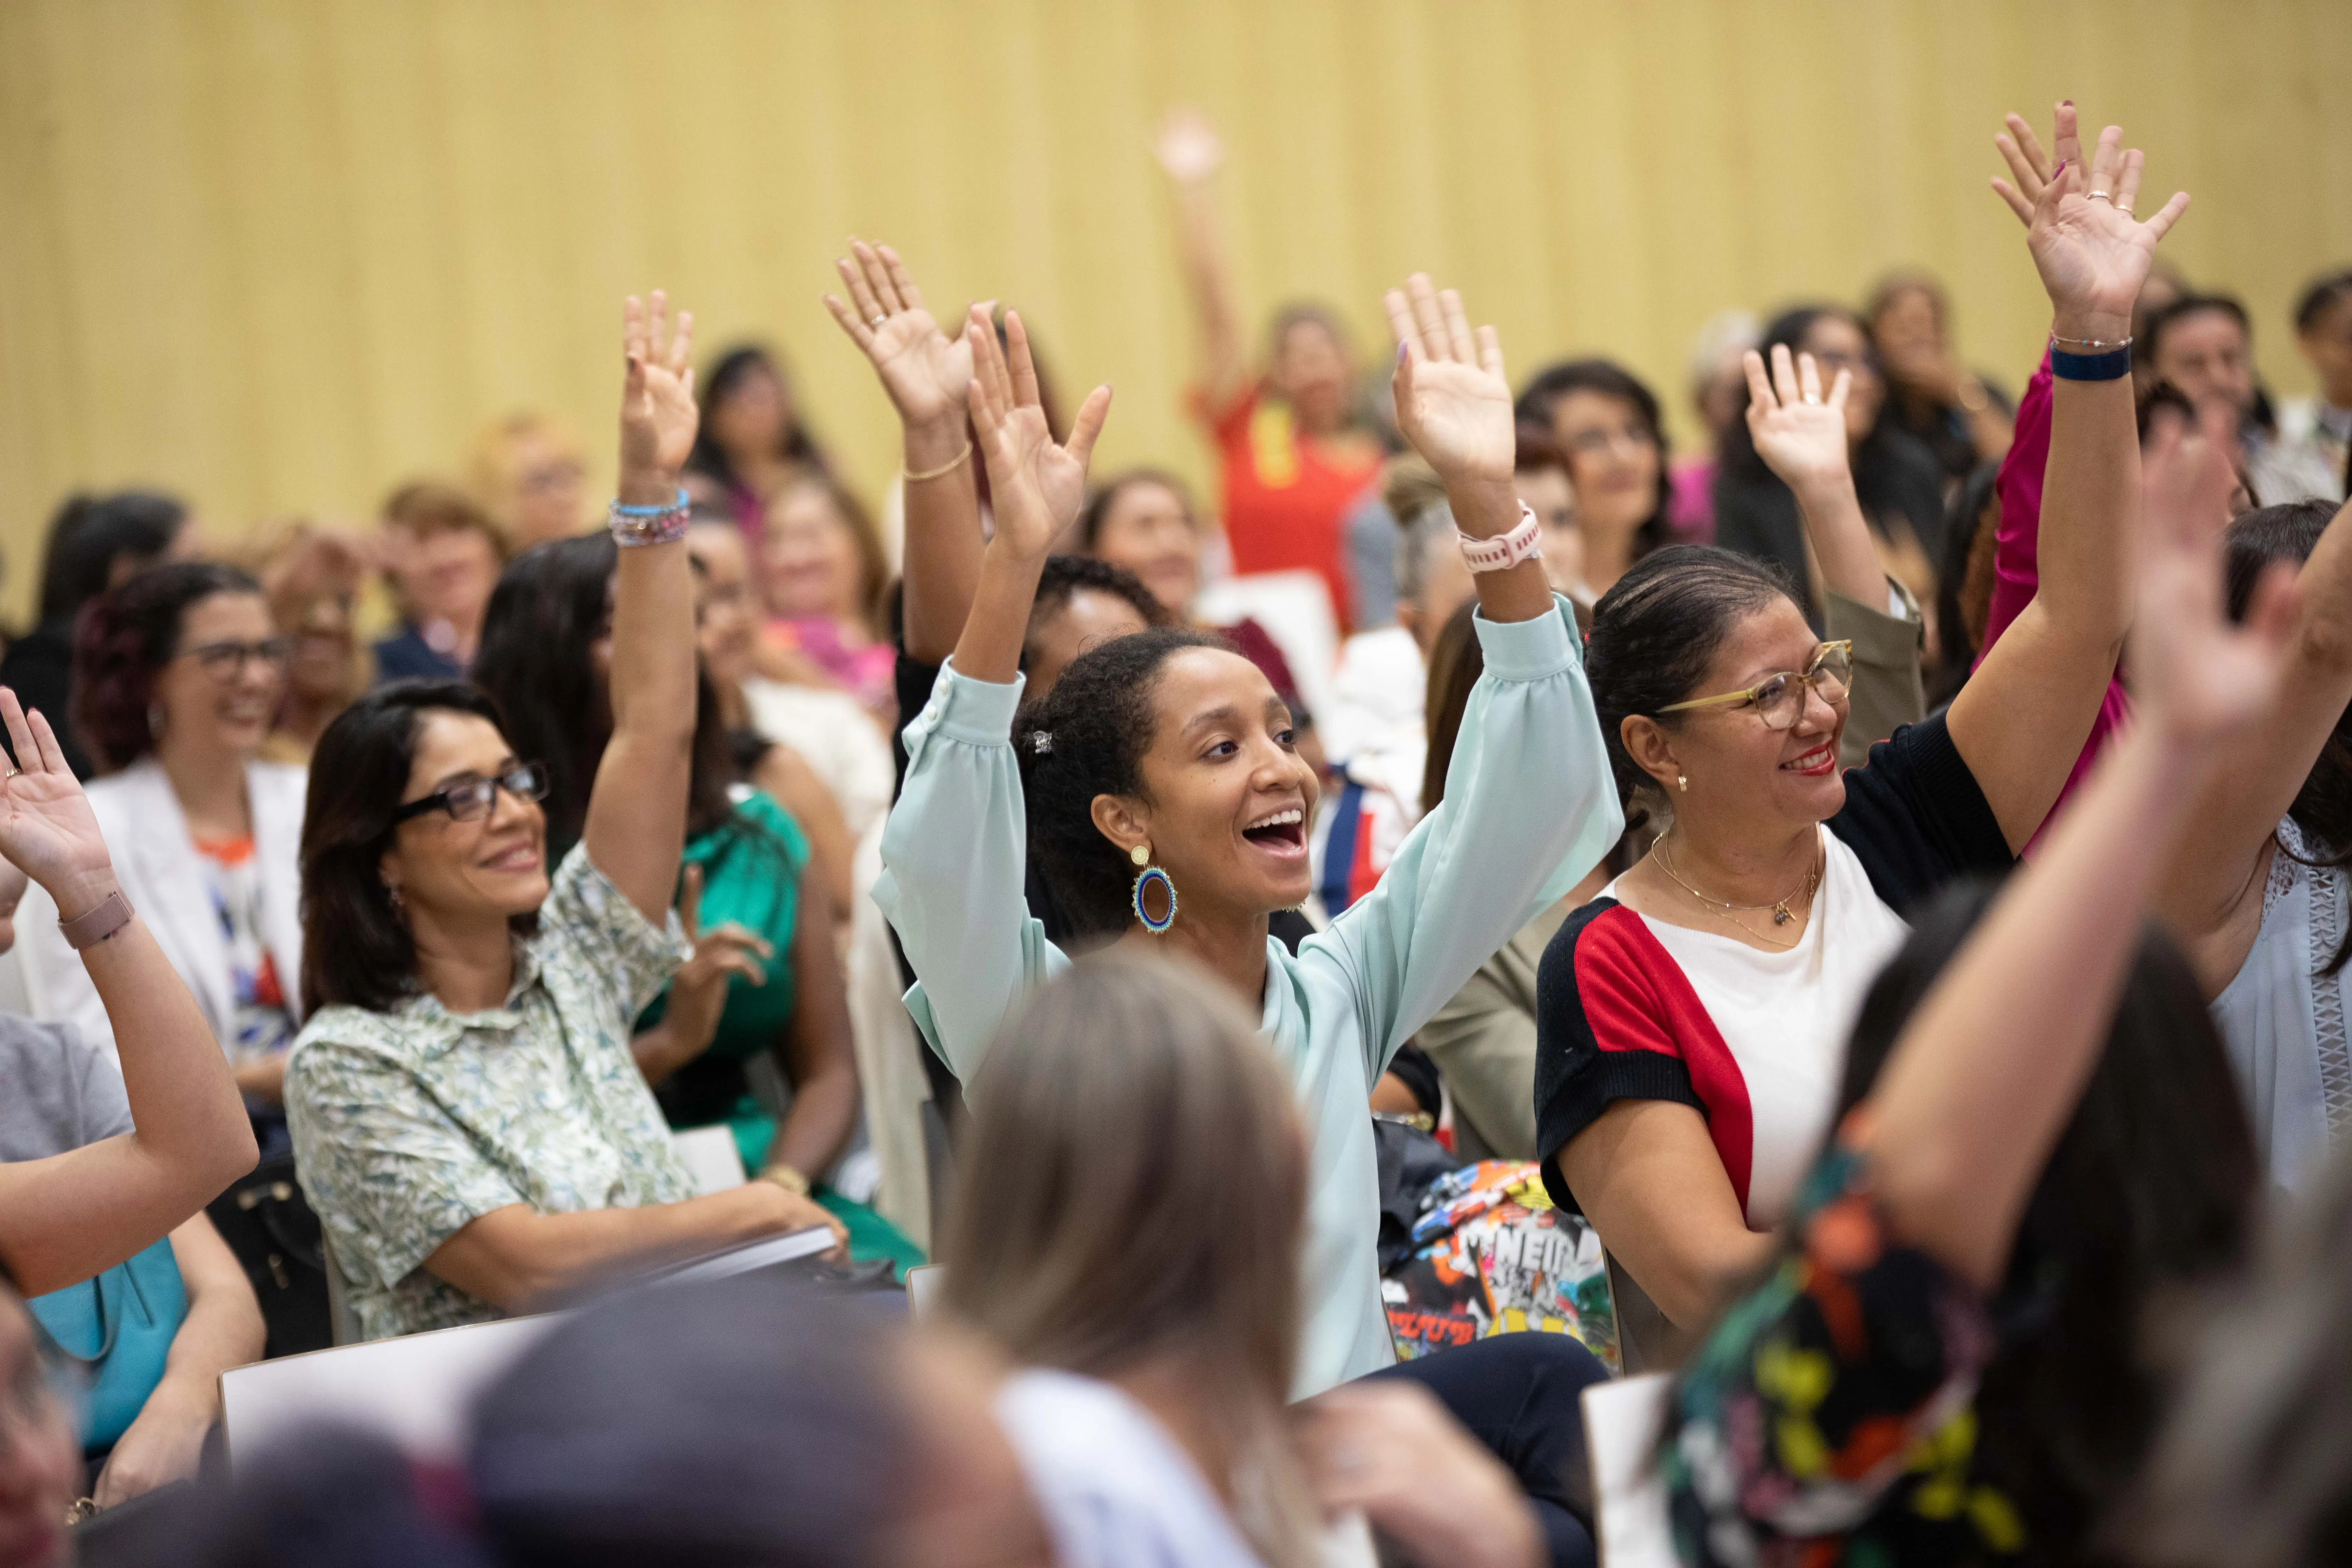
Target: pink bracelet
94 926
1504 550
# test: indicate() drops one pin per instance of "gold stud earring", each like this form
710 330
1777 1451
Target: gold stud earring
1140 854
1682 784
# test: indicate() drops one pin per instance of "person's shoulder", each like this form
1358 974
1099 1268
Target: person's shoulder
34 1050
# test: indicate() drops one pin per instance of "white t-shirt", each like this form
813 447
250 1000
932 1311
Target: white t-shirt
1785 1017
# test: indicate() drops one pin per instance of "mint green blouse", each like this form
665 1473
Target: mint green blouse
1529 808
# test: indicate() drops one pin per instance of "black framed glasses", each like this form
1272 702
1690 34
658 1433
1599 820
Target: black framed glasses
472 800
224 661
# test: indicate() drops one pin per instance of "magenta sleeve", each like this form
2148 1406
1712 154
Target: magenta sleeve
2016 570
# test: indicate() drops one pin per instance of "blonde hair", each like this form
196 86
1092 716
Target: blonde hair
1133 1192
490 472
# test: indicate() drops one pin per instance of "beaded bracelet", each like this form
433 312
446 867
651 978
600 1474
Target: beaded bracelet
635 525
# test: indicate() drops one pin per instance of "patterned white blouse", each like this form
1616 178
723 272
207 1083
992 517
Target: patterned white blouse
410 1123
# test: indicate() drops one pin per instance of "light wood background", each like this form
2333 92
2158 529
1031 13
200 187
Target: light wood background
279 254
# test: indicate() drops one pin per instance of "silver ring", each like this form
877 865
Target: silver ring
2123 209
878 321
2102 196
1812 397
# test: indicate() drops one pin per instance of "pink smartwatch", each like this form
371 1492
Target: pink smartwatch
1504 550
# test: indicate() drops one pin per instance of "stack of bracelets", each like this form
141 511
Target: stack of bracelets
2090 358
666 524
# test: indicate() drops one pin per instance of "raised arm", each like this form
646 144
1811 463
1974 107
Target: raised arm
2211 894
67 1217
636 811
1988 1070
925 374
1036 488
1188 150
955 851
2020 721
1801 437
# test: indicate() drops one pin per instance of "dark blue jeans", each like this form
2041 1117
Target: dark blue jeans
1518 1394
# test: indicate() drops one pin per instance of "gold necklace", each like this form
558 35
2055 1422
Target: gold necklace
1781 913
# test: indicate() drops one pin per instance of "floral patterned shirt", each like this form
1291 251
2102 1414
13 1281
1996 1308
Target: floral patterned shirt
408 1124
1829 1417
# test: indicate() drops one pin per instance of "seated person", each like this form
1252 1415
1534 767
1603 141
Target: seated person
69 1214
470 1125
147 1420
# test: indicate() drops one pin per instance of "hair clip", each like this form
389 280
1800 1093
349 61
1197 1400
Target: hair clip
1042 742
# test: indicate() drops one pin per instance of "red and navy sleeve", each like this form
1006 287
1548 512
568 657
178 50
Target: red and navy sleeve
1616 1019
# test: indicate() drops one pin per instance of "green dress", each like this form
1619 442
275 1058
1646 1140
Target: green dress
752 870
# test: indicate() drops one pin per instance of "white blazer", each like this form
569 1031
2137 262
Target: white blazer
156 862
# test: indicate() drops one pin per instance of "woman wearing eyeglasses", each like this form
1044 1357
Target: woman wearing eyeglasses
1690 1019
470 1124
176 678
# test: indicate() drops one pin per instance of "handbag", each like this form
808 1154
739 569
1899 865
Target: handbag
268 1225
119 1325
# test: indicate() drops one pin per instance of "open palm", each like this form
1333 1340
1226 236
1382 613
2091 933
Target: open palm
926 374
658 418
1799 435
1036 487
46 827
2093 252
1452 400
2208 678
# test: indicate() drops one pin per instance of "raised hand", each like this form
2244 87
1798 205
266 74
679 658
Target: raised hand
1035 487
1188 147
658 413
926 374
2091 248
698 992
2192 671
1799 435
1451 400
46 829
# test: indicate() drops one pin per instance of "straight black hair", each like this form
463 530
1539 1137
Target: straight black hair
2152 1188
89 533
731 370
550 605
356 950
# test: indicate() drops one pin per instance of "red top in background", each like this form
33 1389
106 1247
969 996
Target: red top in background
1285 496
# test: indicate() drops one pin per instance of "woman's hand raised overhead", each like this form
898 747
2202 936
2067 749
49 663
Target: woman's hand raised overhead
1036 487
1451 400
658 416
926 374
46 829
1799 434
2089 243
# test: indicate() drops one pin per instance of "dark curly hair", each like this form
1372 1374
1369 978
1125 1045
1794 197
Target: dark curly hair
356 950
122 639
1656 630
1086 737
1067 576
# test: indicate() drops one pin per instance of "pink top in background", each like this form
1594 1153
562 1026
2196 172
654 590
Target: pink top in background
2016 573
1690 510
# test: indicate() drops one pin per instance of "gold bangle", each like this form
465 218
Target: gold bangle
950 467
787 1177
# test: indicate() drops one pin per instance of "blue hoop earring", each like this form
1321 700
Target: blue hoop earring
1153 877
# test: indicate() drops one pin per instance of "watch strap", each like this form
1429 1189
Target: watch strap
93 926
1505 551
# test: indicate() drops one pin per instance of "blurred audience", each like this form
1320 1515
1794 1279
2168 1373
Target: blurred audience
753 441
1896 477
1718 392
1607 424
2319 429
177 676
1961 417
531 477
2203 344
96 543
312 578
823 575
443 553
1291 458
